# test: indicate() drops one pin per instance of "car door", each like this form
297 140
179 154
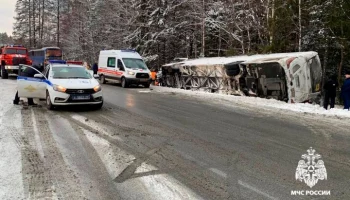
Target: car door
32 87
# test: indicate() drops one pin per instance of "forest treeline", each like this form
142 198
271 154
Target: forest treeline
162 30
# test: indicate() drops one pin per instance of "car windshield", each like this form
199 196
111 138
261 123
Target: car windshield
70 73
16 51
133 63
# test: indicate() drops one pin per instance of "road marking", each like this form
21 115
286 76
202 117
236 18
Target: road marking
241 183
218 172
144 91
255 190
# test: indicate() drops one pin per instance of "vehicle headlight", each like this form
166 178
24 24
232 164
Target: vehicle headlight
97 88
131 73
59 88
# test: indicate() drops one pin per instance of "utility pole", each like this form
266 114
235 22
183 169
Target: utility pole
58 23
203 31
30 23
34 25
299 25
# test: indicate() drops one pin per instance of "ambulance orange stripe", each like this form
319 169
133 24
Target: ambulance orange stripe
107 71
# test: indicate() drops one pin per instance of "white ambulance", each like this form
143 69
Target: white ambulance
123 66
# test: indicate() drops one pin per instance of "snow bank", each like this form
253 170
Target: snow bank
259 103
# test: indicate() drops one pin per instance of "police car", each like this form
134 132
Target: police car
61 85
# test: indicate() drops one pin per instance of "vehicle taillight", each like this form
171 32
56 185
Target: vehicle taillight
290 60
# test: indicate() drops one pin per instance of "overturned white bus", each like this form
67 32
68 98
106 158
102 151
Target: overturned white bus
290 77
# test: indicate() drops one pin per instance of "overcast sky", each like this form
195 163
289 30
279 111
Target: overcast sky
7 12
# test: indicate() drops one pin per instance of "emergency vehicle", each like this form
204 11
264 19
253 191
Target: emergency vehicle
11 56
62 85
123 66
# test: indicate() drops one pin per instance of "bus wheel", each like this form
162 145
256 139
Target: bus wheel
102 79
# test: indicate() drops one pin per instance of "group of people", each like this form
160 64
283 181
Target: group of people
330 89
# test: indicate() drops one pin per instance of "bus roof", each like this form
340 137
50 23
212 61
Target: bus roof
45 48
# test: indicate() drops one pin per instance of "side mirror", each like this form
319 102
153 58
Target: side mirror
96 76
38 76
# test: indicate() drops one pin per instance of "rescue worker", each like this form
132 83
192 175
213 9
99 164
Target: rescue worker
345 90
95 68
153 76
330 89
28 72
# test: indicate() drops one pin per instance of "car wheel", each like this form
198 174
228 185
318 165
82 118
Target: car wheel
48 102
146 85
124 83
102 79
4 74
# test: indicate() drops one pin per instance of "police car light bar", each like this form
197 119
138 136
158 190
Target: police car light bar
57 62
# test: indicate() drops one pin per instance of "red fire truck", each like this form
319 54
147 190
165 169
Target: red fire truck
11 56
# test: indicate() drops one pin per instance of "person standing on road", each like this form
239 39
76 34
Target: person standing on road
330 89
345 91
95 68
28 72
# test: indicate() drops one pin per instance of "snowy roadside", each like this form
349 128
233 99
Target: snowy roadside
11 183
259 103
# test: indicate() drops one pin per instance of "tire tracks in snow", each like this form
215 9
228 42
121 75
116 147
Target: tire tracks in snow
36 177
65 181
44 172
36 174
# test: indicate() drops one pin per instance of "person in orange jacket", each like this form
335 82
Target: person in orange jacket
153 76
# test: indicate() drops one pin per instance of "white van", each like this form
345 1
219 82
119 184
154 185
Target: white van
123 66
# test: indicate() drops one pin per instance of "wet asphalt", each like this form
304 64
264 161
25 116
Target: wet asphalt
240 153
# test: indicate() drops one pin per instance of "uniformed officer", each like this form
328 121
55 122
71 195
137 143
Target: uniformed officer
345 90
28 72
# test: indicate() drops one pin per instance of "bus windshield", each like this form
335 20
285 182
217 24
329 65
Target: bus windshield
53 53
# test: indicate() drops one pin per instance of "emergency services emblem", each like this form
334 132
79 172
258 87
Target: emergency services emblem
311 168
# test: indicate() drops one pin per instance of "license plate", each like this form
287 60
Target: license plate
144 79
81 97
